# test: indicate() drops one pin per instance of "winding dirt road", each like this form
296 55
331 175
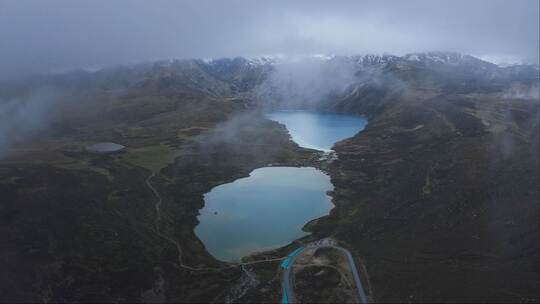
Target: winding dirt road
181 264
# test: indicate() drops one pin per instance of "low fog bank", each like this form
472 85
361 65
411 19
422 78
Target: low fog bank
230 136
520 109
517 91
318 81
20 118
245 138
306 81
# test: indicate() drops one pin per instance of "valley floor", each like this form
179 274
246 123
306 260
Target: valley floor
438 200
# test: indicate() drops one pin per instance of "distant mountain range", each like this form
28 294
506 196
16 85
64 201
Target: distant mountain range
241 74
444 70
300 80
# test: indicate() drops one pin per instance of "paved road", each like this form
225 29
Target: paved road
286 285
361 293
288 292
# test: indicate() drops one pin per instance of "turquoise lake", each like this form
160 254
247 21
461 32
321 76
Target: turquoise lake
318 130
269 208
262 211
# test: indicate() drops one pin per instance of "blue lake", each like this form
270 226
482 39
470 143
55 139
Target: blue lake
318 130
269 208
262 211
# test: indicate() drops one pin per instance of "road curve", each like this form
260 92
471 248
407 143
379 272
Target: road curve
288 292
288 295
361 293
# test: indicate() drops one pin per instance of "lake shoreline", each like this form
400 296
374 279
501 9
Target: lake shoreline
344 126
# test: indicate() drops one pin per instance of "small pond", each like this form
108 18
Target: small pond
104 147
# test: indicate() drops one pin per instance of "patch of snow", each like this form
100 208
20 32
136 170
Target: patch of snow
412 57
323 56
266 59
502 61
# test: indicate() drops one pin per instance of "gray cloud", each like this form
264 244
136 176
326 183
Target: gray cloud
48 36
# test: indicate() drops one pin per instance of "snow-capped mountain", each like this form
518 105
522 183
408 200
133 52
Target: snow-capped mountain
305 75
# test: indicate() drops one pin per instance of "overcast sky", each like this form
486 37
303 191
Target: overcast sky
52 35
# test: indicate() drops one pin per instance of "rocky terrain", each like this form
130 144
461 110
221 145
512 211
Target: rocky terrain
438 196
